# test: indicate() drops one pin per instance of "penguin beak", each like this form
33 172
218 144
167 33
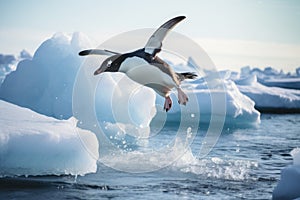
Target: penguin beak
98 71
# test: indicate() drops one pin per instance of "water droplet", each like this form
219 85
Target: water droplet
189 130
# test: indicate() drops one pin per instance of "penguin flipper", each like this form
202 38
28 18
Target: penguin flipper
154 43
97 52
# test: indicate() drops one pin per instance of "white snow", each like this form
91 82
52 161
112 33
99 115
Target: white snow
33 144
288 186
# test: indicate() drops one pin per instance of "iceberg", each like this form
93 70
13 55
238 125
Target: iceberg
273 78
44 83
118 99
237 108
114 107
34 144
288 186
7 64
289 83
269 99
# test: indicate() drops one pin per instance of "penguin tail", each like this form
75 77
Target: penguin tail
186 75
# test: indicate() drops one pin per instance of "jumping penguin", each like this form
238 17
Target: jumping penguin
145 67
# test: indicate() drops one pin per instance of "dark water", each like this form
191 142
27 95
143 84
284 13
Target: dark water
245 164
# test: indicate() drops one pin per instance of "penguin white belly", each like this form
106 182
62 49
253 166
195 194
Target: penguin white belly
142 72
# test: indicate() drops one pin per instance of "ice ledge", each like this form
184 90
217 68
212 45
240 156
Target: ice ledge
34 144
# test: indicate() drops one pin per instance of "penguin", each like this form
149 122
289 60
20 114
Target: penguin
145 67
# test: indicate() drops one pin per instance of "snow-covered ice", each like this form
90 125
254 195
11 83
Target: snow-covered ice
34 144
8 63
272 99
229 101
288 186
289 83
266 98
274 78
45 82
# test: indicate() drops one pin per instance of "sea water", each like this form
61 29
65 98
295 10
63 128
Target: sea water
244 164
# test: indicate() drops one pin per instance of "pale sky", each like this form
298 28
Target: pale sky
234 33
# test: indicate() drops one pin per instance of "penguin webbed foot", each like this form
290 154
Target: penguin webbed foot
182 97
168 103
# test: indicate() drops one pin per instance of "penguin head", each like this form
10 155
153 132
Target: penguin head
108 65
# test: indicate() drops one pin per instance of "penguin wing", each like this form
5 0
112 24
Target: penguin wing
154 43
97 52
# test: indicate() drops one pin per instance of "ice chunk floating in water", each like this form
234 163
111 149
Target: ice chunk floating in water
239 109
288 186
271 99
271 91
33 144
273 78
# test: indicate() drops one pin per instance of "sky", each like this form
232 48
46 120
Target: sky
234 33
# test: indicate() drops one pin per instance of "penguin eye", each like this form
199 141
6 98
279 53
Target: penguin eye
108 64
